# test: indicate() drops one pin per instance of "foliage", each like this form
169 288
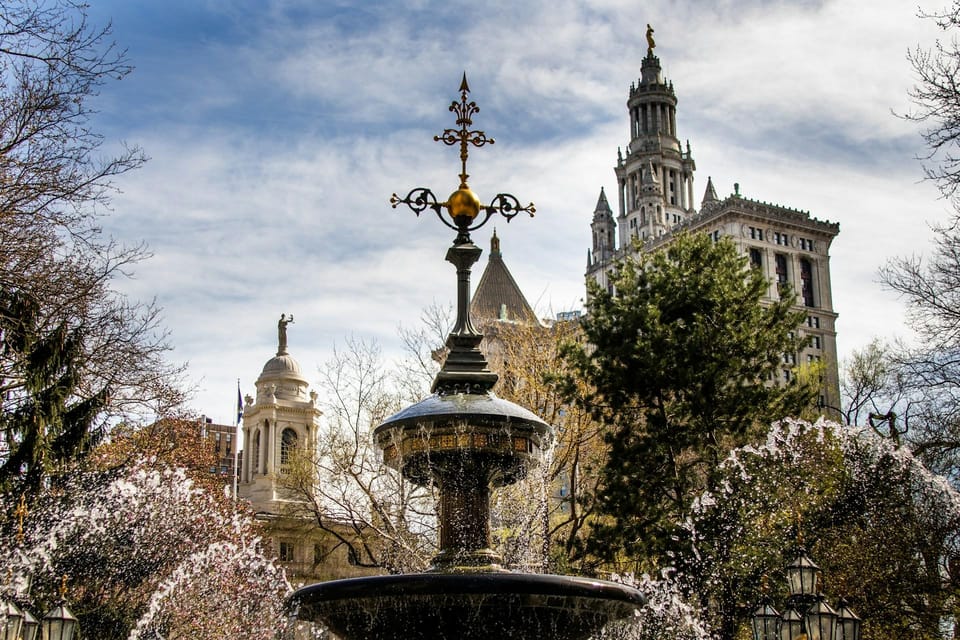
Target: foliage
169 442
881 526
76 354
148 553
680 359
45 424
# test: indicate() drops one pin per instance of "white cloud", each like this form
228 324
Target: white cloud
275 153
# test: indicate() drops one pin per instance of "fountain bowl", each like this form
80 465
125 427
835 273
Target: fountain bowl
465 606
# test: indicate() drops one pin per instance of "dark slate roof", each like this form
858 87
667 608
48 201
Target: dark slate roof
497 296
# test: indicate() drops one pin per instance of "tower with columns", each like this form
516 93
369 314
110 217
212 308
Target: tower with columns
282 420
655 197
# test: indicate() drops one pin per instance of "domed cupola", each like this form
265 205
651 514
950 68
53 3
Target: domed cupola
281 378
282 421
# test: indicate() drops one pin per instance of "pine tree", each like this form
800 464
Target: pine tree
47 418
682 356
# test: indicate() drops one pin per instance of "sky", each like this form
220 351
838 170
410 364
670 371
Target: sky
278 129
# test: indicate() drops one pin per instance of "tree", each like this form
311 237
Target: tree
76 354
681 359
936 97
148 554
883 528
542 521
384 521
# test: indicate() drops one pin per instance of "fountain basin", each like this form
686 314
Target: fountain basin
468 606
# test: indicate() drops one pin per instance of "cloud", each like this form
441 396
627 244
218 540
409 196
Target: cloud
278 131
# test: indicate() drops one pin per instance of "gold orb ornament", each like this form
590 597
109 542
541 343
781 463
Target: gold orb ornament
463 203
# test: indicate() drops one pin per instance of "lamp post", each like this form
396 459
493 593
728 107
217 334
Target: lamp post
806 616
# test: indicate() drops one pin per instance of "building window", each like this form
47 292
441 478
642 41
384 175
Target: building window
756 234
813 321
288 442
781 261
786 375
815 342
806 282
286 552
756 260
781 239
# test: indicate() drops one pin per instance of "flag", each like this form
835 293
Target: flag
239 403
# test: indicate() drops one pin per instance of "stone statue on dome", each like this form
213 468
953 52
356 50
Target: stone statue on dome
282 333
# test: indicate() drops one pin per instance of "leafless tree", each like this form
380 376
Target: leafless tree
384 521
55 184
936 98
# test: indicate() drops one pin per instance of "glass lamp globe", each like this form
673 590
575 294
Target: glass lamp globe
11 618
848 623
791 625
30 628
802 575
58 624
821 620
765 621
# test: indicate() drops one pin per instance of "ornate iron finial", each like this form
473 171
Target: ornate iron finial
463 136
465 369
463 205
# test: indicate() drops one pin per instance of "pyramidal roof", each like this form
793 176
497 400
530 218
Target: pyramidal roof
710 195
603 207
497 296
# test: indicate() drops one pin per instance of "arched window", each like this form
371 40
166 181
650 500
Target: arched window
288 442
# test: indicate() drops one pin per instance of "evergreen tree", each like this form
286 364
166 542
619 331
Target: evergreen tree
683 358
47 419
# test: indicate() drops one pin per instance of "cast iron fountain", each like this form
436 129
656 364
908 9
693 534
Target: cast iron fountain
463 440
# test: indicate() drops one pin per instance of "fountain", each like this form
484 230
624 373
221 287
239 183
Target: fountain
463 440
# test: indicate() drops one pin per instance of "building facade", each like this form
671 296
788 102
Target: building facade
655 200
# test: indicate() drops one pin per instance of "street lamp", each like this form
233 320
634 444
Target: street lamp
821 620
17 623
807 615
30 626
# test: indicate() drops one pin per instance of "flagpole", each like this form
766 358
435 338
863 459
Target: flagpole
236 442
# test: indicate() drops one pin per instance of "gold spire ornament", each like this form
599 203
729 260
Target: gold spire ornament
21 513
651 45
463 206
